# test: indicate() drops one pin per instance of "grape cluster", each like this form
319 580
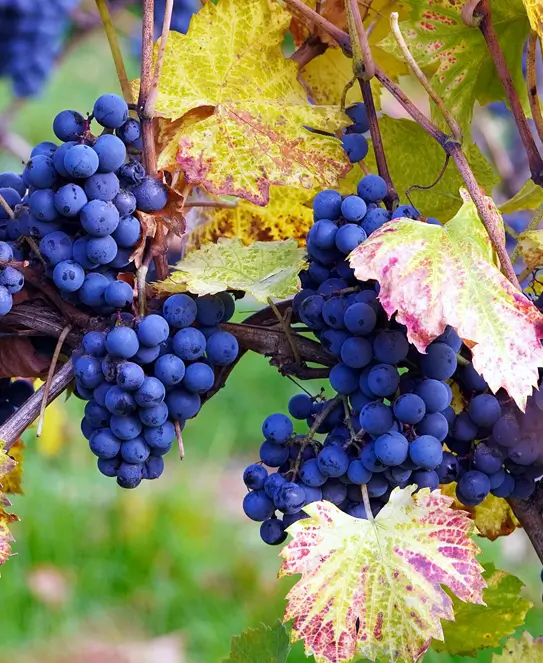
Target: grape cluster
144 376
11 279
353 141
391 423
32 35
78 201
13 393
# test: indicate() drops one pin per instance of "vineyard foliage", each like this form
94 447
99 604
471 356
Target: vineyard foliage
239 124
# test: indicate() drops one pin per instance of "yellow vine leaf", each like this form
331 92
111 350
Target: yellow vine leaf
238 110
525 650
530 245
326 76
374 588
493 517
6 466
528 198
481 626
11 482
432 277
461 67
287 215
534 9
262 269
406 143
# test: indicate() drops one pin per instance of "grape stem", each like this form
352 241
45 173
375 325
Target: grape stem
115 48
179 438
366 500
5 206
141 277
14 427
51 372
284 321
423 80
481 14
531 83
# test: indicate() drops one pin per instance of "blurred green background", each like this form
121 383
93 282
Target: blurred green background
167 573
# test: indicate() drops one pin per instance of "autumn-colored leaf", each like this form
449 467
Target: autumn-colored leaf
326 76
374 588
534 9
530 245
493 517
481 626
19 357
525 650
262 269
249 130
528 198
406 144
6 466
287 215
434 277
457 56
11 481
265 644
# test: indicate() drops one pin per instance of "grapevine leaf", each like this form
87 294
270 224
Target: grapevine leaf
11 481
478 626
457 56
288 214
262 269
525 650
529 197
493 517
434 277
6 466
326 76
19 357
534 9
239 125
405 144
531 248
265 644
373 588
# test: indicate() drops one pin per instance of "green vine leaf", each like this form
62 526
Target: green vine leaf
262 269
415 158
478 626
265 644
528 198
456 56
525 650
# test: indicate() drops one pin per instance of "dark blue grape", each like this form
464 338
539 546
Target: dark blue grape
199 378
391 448
222 348
426 451
110 111
69 125
272 532
372 188
355 146
111 153
129 475
484 410
353 209
327 205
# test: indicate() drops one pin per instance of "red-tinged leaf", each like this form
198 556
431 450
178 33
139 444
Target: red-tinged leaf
374 588
19 357
432 277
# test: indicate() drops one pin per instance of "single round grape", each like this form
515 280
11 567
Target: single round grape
463 428
372 188
484 410
119 401
153 467
128 232
222 348
332 461
349 236
119 294
450 337
258 506
68 276
434 394
439 362
153 330
323 234
151 195
80 161
254 477
355 146
327 205
487 459
374 219
69 125
353 209
170 370
360 319
130 376
153 416
434 424
105 444
473 486
383 379
111 111
96 415
150 393
42 205
111 152
506 431
343 379
390 347
159 437
109 466
101 250
272 532
376 418
179 311
99 218
102 186
273 454
183 404
406 212
391 448
19 391
289 497
505 488
125 202
92 292
88 371
189 344
199 378
13 181
122 342
426 451
135 450
210 310
425 479
300 406
277 428
129 132
129 475
125 427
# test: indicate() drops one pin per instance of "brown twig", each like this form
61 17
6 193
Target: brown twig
363 65
423 80
149 109
309 50
14 427
115 48
313 18
531 83
50 374
487 29
285 325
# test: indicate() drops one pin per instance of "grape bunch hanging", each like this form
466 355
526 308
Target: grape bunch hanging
390 422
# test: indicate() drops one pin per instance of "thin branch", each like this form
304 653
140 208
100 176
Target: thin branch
50 375
484 213
14 427
366 500
531 83
309 50
449 119
149 153
5 206
115 47
285 325
179 438
487 29
363 65
149 109
427 187
312 18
